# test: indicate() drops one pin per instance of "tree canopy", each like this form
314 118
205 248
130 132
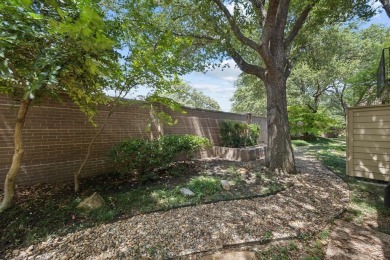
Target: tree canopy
262 38
57 47
337 69
186 95
72 48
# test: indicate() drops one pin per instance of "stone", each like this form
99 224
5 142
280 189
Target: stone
225 184
187 192
94 201
243 172
232 183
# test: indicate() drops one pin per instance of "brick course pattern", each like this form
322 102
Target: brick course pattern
56 136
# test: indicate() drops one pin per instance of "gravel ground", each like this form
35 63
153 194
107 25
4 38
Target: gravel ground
316 197
349 242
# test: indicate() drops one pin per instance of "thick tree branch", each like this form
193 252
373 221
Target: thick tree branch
281 18
258 6
386 6
247 67
298 24
313 109
235 28
268 29
269 23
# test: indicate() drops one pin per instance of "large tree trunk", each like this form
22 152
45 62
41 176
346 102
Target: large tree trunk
279 156
9 185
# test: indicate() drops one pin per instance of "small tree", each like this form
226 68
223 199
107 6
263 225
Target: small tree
303 122
157 117
53 48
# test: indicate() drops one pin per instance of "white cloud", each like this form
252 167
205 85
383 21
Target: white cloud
213 88
217 83
228 71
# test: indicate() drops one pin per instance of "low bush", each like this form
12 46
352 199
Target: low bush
142 158
237 134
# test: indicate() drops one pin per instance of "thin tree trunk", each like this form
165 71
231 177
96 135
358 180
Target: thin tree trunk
9 185
111 111
279 155
78 173
156 122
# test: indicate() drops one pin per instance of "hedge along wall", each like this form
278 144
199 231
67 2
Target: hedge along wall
205 123
57 134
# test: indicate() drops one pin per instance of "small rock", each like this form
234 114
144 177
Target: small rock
30 248
15 252
187 192
225 184
93 202
232 183
65 257
243 172
345 199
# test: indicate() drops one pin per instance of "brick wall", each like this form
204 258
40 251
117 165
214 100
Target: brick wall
56 136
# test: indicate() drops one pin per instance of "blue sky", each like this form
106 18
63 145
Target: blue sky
219 83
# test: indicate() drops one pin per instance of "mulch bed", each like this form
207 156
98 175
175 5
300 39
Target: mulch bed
315 199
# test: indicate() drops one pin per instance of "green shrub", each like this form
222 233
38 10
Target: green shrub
304 123
237 134
142 158
336 130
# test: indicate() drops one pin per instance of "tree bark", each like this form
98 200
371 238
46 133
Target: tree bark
279 156
9 184
78 173
386 6
156 122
